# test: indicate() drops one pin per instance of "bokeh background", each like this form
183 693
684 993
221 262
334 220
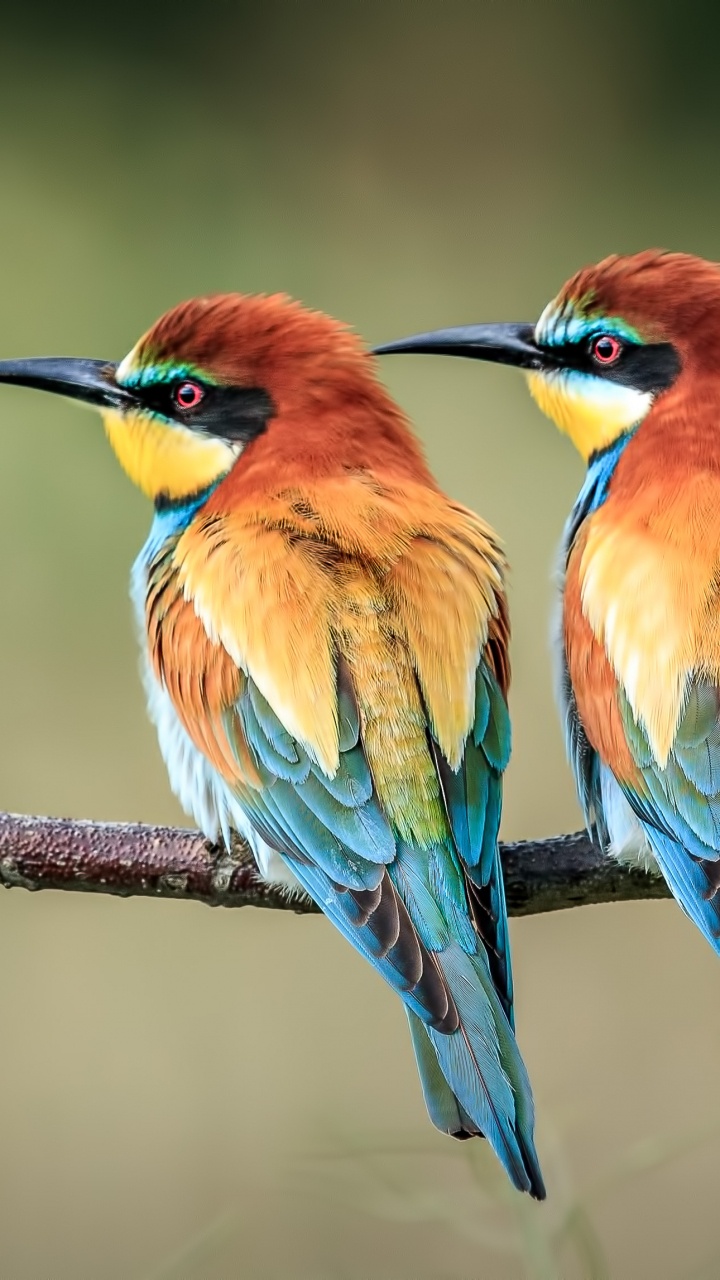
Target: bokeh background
176 1098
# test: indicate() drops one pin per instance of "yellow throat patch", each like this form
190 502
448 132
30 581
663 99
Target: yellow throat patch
593 412
161 458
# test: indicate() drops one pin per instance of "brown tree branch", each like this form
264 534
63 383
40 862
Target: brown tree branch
163 862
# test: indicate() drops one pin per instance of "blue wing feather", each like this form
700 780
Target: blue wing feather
271 734
679 805
496 740
308 833
432 921
487 865
352 785
482 708
273 754
473 798
689 882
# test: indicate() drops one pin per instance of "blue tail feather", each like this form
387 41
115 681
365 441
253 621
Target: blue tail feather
430 917
482 1066
443 1107
688 881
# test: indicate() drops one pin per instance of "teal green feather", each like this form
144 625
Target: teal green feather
352 784
671 797
409 875
482 706
487 870
362 828
483 1067
491 901
497 738
447 884
465 792
431 919
699 721
308 831
679 805
274 735
273 757
443 1107
473 799
478 782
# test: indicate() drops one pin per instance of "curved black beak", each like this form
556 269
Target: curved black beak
90 380
502 343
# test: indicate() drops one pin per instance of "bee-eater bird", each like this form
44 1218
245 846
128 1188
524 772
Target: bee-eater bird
325 640
626 360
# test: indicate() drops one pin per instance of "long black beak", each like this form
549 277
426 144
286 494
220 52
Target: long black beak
502 343
90 380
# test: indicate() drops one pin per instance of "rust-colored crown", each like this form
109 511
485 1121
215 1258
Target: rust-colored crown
667 297
257 340
329 409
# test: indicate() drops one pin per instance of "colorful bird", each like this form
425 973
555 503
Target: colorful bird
325 637
626 360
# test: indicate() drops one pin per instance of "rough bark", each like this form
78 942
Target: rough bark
162 862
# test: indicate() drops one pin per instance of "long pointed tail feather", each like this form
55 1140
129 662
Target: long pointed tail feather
443 1107
472 1074
474 1081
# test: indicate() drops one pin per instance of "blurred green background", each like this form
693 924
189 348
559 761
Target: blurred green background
175 1099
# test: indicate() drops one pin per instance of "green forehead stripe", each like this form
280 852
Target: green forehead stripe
598 323
148 375
575 321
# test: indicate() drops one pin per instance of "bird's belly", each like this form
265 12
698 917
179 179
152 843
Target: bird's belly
628 841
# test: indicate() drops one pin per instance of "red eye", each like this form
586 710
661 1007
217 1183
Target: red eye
188 394
605 349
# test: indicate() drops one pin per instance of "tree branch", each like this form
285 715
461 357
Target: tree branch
162 862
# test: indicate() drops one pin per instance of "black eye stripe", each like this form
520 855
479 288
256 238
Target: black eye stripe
652 366
231 413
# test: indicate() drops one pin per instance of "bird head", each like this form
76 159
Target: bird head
210 378
617 336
